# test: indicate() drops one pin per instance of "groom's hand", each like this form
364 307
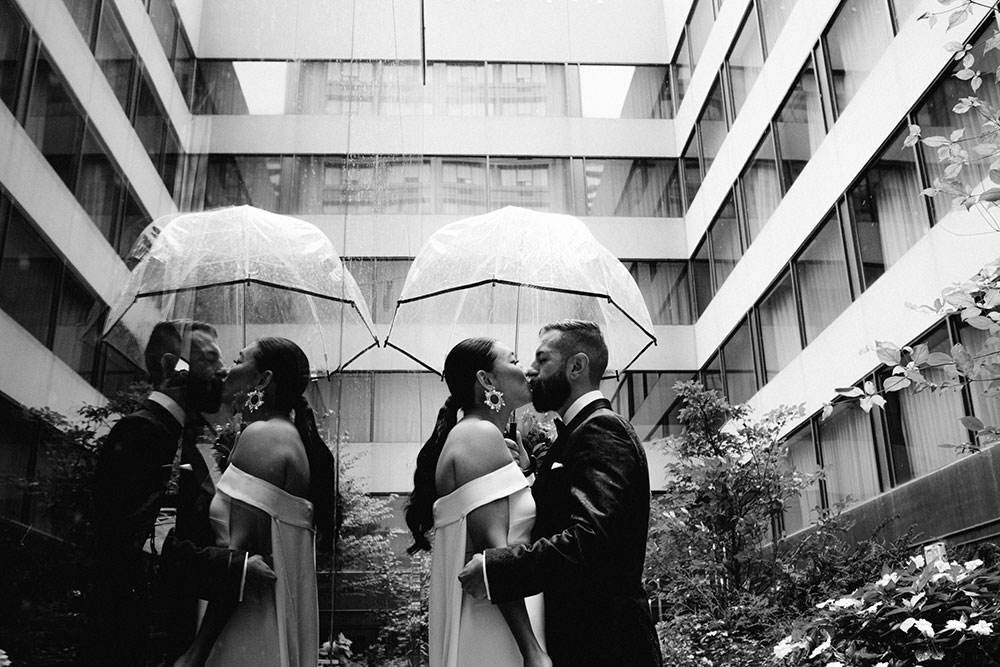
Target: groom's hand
472 577
260 577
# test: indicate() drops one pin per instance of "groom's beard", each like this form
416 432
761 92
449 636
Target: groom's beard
550 393
205 395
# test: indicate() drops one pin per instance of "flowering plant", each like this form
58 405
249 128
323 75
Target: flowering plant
923 614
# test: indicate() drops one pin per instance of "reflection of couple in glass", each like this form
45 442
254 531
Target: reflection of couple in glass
575 532
247 544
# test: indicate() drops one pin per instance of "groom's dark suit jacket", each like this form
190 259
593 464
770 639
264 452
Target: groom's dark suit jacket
146 611
592 497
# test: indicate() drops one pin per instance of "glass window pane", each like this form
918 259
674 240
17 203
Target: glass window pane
150 123
664 287
99 188
164 22
855 42
711 375
935 118
779 327
624 91
802 510
737 355
773 14
984 406
648 188
726 245
530 89
407 405
701 274
233 180
712 125
114 55
650 397
539 184
13 41
761 188
459 89
54 122
348 396
905 10
821 271
692 171
84 13
184 66
74 341
745 60
217 89
134 220
29 274
682 69
699 26
849 455
800 125
888 212
462 185
919 423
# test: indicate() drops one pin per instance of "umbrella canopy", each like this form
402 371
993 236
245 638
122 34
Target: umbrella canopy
250 273
507 273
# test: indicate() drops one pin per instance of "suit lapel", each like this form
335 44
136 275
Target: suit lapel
555 454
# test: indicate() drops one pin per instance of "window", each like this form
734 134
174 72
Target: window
664 287
161 13
712 124
526 89
918 424
779 327
935 117
985 407
727 248
233 180
184 65
855 41
888 212
73 341
682 68
650 403
646 188
149 122
711 374
699 25
692 170
134 220
737 359
760 185
773 14
701 275
459 89
799 125
29 275
84 13
821 273
745 60
99 187
542 184
463 185
54 122
13 42
801 510
848 455
114 55
904 11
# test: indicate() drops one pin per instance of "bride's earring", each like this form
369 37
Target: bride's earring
255 399
494 399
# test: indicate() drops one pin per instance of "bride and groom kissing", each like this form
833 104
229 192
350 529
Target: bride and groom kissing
535 569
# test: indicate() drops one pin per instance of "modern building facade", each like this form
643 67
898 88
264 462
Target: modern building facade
743 158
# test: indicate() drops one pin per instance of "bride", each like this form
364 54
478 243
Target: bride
468 488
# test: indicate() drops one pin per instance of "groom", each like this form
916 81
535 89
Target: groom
592 497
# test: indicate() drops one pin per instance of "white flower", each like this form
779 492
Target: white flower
953 624
835 663
918 560
4 659
892 577
872 609
824 604
942 566
786 646
922 625
845 603
912 602
972 564
822 647
882 664
982 628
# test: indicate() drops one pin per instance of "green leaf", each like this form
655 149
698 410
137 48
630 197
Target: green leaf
887 353
958 16
957 134
980 322
993 194
850 392
965 74
939 359
972 423
895 383
935 141
952 46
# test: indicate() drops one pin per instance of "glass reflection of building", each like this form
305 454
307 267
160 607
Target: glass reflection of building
764 205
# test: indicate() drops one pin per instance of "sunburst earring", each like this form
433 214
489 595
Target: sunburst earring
494 399
255 399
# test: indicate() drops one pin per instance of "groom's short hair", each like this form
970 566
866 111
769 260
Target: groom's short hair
171 337
582 336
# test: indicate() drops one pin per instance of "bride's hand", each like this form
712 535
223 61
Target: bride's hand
518 452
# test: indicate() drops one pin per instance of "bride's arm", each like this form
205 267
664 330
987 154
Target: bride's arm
487 528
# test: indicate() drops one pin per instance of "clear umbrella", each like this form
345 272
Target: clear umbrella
250 273
505 274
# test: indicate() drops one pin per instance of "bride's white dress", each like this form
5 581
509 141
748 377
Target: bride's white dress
280 629
464 631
